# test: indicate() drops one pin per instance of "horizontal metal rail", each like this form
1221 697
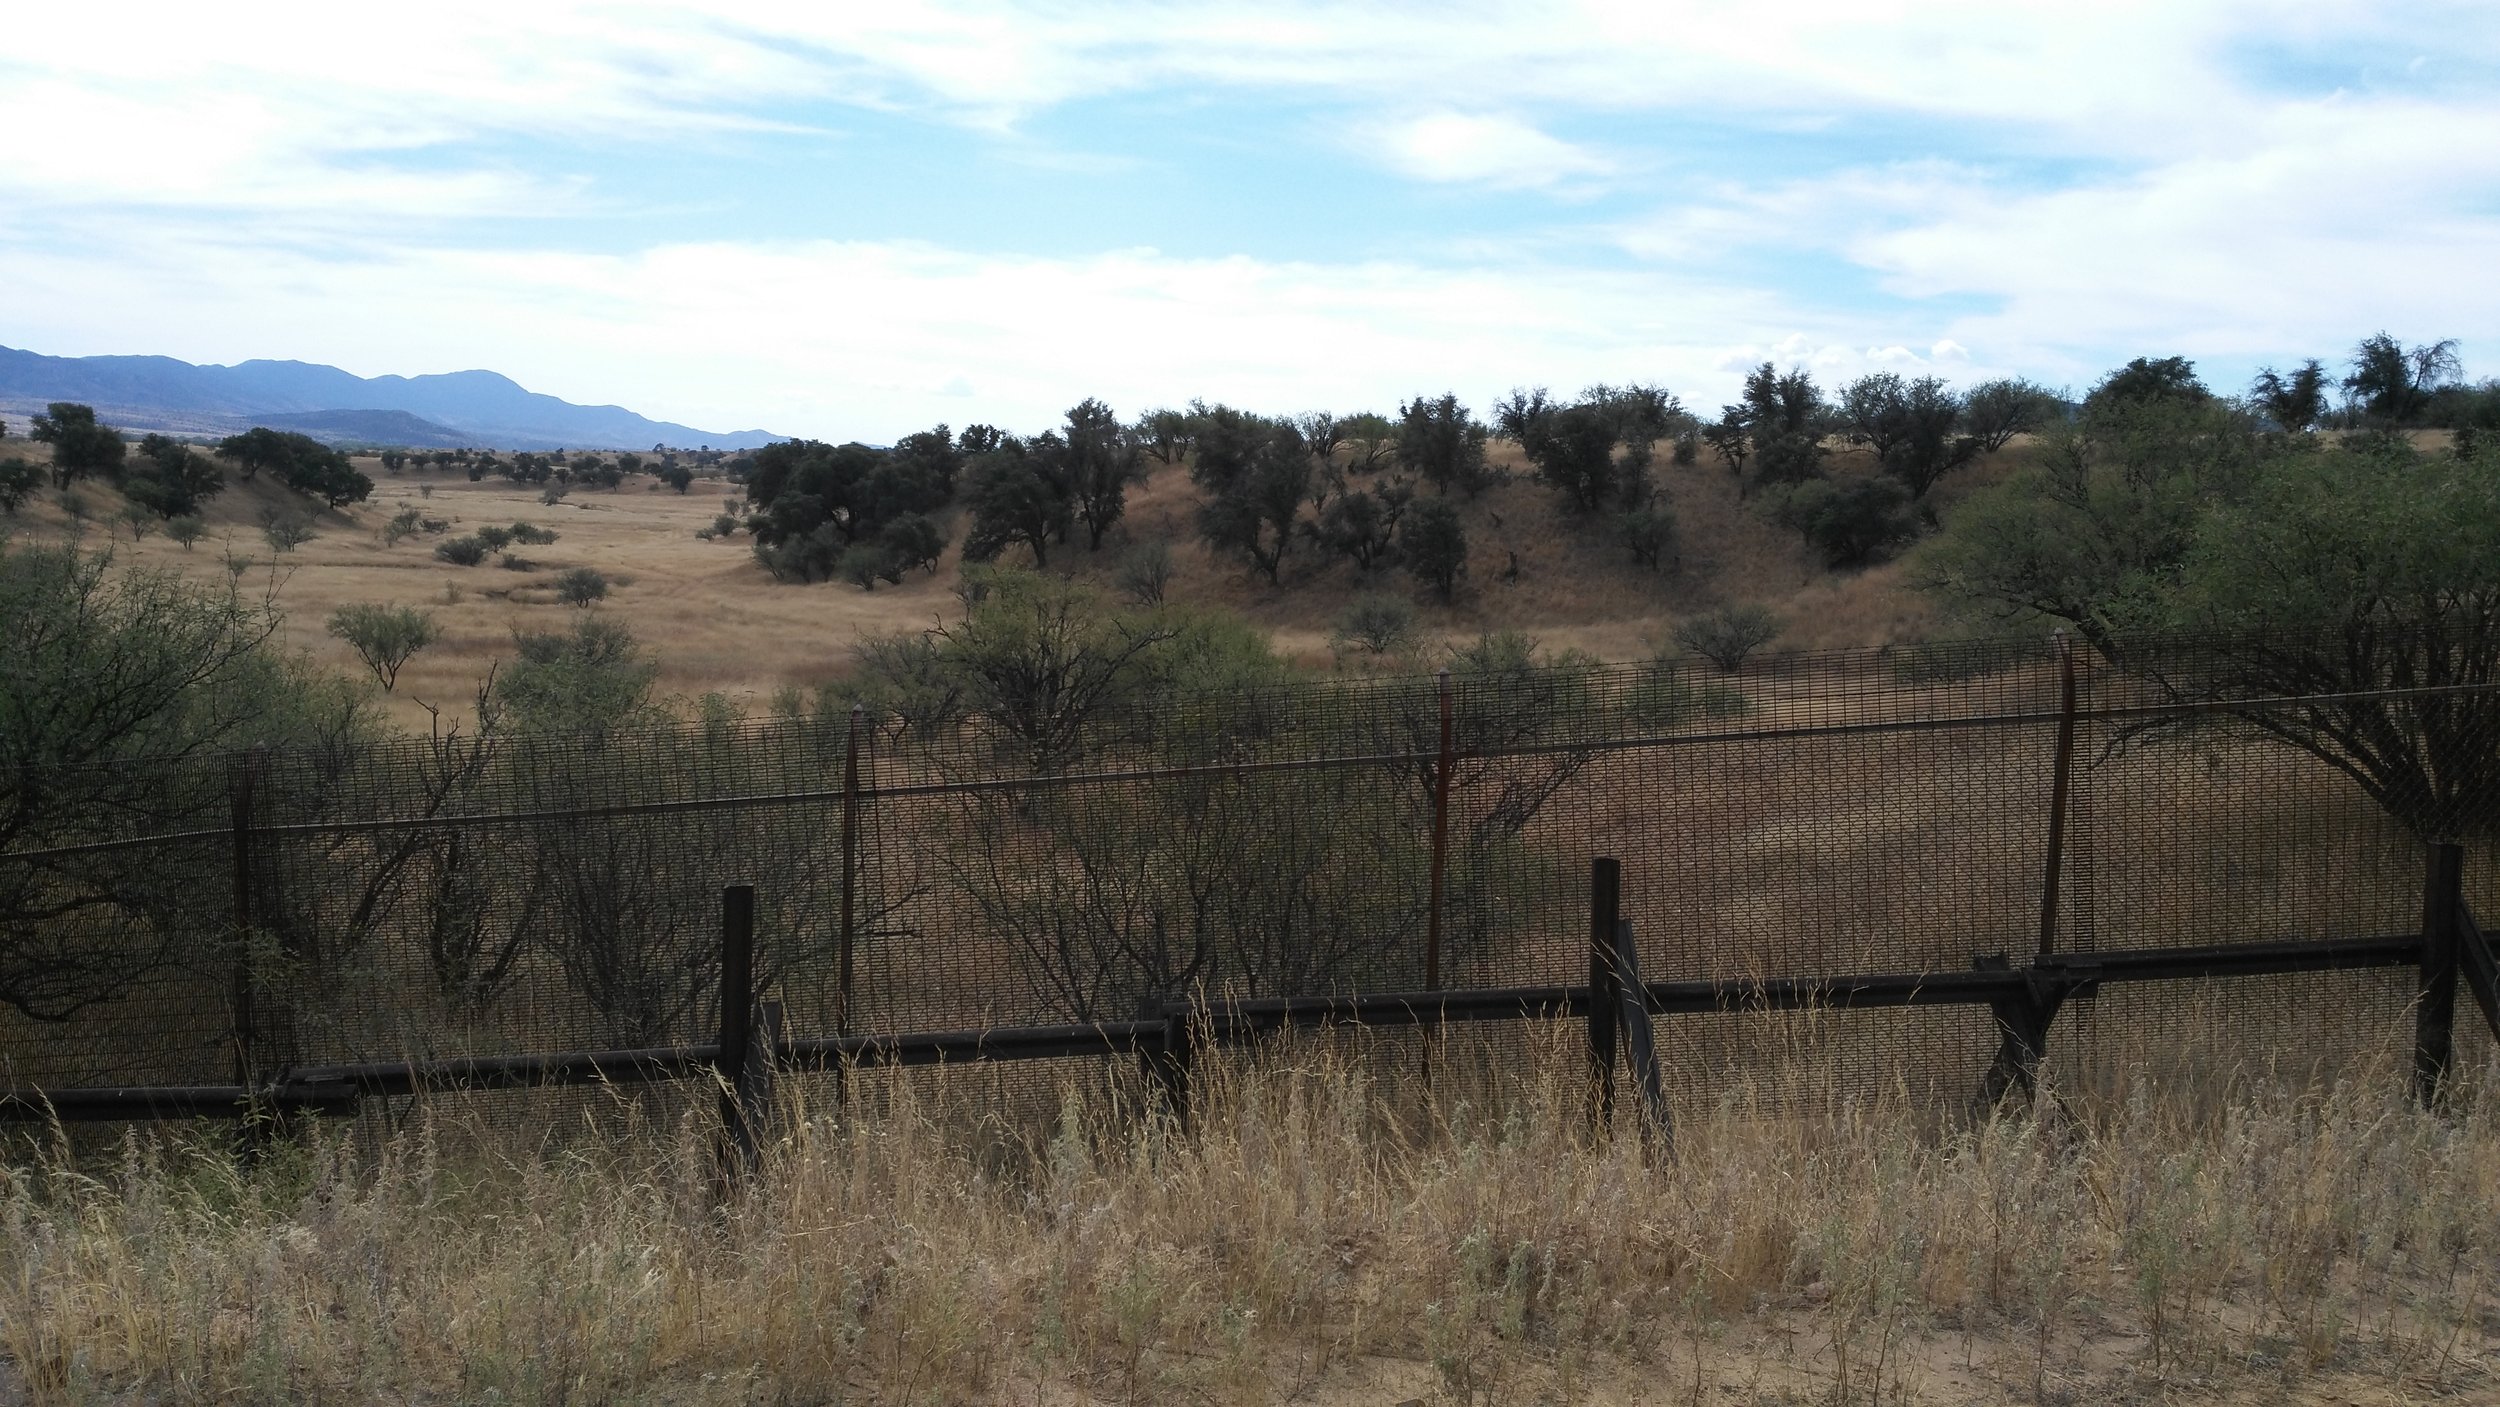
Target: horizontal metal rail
2079 974
1231 770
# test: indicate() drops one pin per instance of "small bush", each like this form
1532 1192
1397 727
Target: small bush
553 494
461 551
1728 636
706 533
579 586
723 525
1647 531
1376 625
403 523
1145 570
384 637
284 532
496 539
515 562
1852 521
533 534
861 564
185 528
18 482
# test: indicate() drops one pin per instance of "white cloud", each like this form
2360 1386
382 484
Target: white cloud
297 180
1489 150
877 339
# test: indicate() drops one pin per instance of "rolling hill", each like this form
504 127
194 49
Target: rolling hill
450 409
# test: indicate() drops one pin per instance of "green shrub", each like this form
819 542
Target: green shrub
1729 635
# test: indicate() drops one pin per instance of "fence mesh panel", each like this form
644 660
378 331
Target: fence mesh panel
1812 816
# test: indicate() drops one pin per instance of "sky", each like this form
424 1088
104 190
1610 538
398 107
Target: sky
848 220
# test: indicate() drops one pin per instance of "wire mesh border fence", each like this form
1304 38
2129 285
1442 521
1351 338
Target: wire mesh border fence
1419 735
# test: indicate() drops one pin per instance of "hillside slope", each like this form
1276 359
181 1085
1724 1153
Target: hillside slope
476 407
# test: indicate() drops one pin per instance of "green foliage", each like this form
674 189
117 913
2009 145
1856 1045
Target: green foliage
589 679
461 551
1020 494
676 476
1924 442
2148 379
185 528
384 637
812 502
2392 384
1851 521
2308 569
18 482
1573 449
1647 531
1433 542
1165 434
1361 524
1103 461
1871 410
110 674
1783 416
284 530
299 461
580 586
1370 438
81 446
532 534
1994 412
2092 533
1375 624
402 524
910 542
1055 671
493 538
1442 444
1256 474
2295 403
169 478
1729 636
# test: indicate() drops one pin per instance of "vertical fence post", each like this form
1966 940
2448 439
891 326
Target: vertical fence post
737 1020
850 871
1640 1040
1170 1053
1605 912
245 1033
1440 840
2058 787
2435 1012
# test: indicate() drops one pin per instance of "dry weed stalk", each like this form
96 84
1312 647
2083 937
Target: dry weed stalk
1327 1222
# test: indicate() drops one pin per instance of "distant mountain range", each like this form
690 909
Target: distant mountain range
447 411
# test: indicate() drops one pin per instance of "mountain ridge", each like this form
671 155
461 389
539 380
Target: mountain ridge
474 407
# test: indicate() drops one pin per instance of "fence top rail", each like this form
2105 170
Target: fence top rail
1245 768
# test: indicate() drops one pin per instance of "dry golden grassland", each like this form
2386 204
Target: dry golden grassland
716 622
1328 1233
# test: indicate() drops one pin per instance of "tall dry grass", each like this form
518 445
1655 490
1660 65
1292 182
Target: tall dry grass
1329 1231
